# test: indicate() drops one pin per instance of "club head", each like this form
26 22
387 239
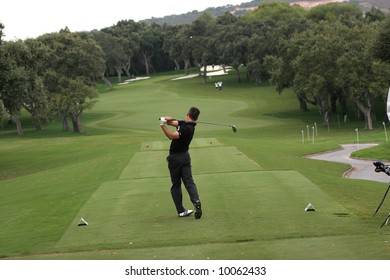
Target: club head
379 166
234 128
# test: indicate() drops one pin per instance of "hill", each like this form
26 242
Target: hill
192 15
246 7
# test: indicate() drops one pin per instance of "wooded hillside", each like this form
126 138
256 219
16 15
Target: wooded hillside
246 7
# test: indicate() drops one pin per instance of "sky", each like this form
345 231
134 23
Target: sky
31 18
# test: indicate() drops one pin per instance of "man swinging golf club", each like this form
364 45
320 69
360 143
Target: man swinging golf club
179 161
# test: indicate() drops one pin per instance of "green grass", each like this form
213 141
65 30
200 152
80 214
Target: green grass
254 184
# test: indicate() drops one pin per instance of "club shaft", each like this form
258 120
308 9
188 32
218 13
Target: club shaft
215 123
220 124
383 199
386 221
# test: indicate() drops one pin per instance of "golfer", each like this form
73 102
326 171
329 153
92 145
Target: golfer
179 161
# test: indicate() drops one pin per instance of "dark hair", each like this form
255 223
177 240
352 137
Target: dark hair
193 113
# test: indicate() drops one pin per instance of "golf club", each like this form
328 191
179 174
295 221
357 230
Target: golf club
381 167
234 128
386 221
383 199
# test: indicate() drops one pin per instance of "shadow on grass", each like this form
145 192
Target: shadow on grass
53 129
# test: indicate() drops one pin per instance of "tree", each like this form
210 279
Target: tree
381 44
80 96
381 82
374 15
272 24
307 61
36 100
115 53
380 51
361 76
150 43
1 31
186 45
103 39
172 46
345 14
75 59
128 32
202 31
232 42
315 67
14 79
2 113
3 67
22 85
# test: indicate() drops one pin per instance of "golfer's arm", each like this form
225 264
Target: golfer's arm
170 134
174 123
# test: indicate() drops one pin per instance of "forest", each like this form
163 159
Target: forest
330 55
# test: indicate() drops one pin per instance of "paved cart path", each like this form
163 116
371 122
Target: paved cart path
360 169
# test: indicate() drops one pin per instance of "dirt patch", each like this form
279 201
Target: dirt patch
311 4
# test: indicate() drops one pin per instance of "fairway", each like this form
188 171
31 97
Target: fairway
254 184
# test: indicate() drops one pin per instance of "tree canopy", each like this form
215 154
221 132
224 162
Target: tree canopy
330 55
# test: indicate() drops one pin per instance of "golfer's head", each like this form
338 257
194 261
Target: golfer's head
193 113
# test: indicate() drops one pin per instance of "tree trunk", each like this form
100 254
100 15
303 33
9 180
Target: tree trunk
146 62
118 70
366 110
255 76
1 114
343 105
238 73
127 66
258 80
323 107
177 65
37 123
107 82
302 102
204 71
18 124
64 117
76 122
186 66
333 101
35 114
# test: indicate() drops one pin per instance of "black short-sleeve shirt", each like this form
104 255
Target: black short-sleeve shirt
186 132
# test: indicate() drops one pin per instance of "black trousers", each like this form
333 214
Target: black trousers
179 165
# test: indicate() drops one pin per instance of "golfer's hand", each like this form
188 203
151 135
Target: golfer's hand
163 121
169 119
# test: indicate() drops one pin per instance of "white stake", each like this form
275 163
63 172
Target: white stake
308 133
384 126
315 125
303 137
313 136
